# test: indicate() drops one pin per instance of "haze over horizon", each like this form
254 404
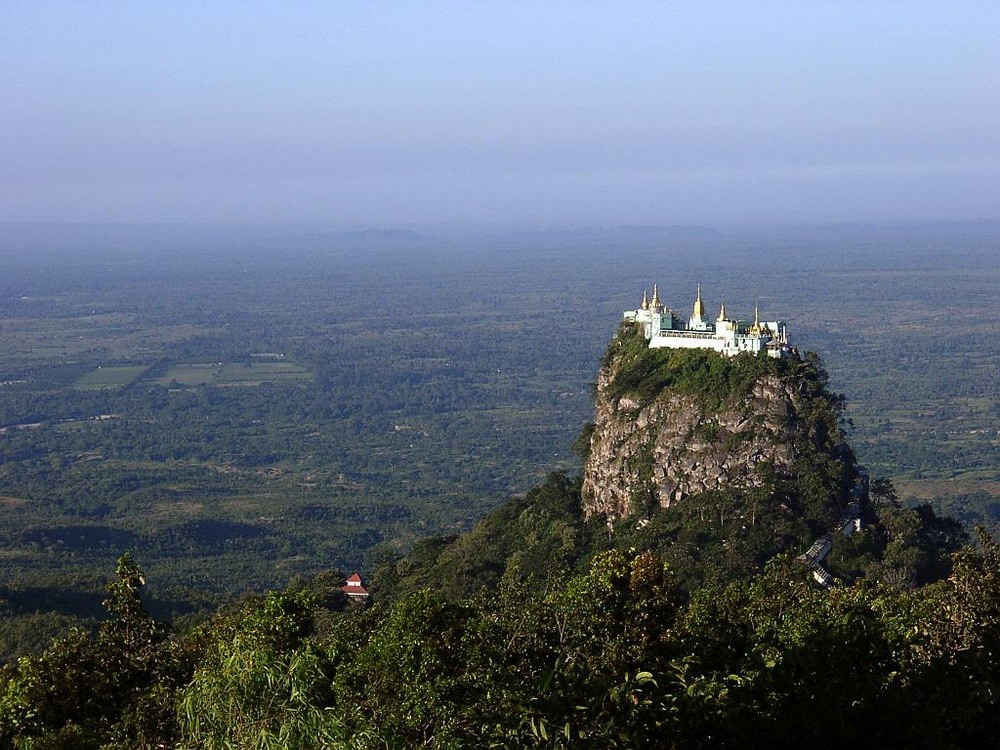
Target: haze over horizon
554 114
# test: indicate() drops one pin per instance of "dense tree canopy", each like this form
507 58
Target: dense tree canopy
612 656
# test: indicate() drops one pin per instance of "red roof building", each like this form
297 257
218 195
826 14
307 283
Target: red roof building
354 588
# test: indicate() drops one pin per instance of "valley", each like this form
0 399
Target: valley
268 405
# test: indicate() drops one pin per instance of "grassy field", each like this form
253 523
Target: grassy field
110 377
259 372
234 374
191 374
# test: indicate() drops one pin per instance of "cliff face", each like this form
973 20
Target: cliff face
671 424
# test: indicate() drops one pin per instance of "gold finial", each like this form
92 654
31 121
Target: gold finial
755 328
645 302
699 306
656 298
722 310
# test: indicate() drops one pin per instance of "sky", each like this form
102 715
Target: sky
531 114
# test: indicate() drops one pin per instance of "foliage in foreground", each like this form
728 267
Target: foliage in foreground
610 657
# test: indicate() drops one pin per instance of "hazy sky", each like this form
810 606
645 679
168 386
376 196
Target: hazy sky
538 113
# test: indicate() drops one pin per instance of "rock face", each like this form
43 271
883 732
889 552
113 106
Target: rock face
658 449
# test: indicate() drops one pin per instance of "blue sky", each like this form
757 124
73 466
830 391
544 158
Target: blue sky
521 113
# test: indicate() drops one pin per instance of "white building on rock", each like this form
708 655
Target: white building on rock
664 328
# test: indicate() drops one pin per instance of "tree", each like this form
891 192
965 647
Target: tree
82 685
260 685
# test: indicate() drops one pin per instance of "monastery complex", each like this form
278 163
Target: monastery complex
664 328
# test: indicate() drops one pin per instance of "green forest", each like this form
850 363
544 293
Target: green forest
266 411
563 642
543 628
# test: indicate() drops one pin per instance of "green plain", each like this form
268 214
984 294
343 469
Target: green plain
110 377
234 373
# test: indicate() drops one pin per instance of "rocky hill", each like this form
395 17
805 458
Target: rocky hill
674 424
715 464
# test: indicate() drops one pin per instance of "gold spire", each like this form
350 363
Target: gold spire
699 306
755 328
722 311
656 299
645 302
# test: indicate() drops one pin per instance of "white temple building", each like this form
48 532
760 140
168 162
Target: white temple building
664 328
